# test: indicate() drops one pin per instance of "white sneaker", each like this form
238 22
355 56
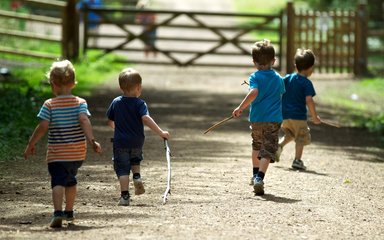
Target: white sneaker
124 201
139 186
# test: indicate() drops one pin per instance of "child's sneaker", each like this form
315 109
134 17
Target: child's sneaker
298 164
252 180
278 153
124 201
68 216
258 186
57 219
139 186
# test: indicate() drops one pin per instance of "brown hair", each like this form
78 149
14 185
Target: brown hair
129 78
304 59
263 52
62 73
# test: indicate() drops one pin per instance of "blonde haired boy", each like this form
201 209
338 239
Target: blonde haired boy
65 118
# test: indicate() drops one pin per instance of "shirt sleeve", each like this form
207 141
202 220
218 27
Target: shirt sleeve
45 112
309 90
143 109
111 112
253 81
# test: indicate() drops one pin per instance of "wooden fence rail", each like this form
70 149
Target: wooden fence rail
338 38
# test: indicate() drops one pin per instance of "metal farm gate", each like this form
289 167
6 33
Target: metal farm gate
185 38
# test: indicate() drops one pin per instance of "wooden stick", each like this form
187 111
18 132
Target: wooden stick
326 122
218 124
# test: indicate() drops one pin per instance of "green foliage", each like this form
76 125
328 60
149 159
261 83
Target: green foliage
360 104
20 101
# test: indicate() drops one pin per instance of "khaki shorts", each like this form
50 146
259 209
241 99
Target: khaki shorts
297 130
265 139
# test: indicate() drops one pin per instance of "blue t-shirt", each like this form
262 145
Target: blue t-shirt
127 113
267 105
297 88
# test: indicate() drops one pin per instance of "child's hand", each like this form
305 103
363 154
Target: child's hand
29 150
96 147
236 113
165 135
316 120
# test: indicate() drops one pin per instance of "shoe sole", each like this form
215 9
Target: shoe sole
56 222
299 168
258 189
139 188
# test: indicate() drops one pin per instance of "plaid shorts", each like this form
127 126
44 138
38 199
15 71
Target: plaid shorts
297 130
265 139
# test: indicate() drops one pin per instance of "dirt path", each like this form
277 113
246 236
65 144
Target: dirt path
340 196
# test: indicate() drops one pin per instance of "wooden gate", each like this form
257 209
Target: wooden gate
185 38
338 39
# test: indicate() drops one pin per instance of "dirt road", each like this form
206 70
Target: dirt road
339 197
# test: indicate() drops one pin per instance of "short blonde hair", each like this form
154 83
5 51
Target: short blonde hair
263 52
62 73
129 78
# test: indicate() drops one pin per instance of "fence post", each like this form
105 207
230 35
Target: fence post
361 24
70 31
290 37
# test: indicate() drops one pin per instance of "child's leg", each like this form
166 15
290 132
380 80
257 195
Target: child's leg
136 171
70 196
124 183
57 197
299 148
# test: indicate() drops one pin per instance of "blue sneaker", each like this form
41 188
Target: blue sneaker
57 220
258 186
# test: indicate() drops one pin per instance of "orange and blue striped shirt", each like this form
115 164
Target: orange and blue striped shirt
66 139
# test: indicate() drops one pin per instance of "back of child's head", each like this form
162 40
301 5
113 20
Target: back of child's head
263 52
304 59
62 73
129 78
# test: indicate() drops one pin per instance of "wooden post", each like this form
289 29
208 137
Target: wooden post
361 20
70 31
290 38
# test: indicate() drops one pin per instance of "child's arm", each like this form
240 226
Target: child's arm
87 129
149 122
111 124
40 130
246 101
312 109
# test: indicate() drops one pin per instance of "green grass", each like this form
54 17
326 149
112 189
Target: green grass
361 104
20 101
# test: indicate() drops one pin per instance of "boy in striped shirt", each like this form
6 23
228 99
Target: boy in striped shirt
65 118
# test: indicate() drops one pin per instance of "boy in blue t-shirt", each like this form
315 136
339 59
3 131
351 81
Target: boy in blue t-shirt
299 95
128 114
264 96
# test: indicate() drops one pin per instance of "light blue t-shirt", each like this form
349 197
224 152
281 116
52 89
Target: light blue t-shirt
267 105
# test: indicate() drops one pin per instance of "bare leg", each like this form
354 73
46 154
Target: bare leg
255 159
70 196
264 163
285 140
135 169
57 197
124 182
299 151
